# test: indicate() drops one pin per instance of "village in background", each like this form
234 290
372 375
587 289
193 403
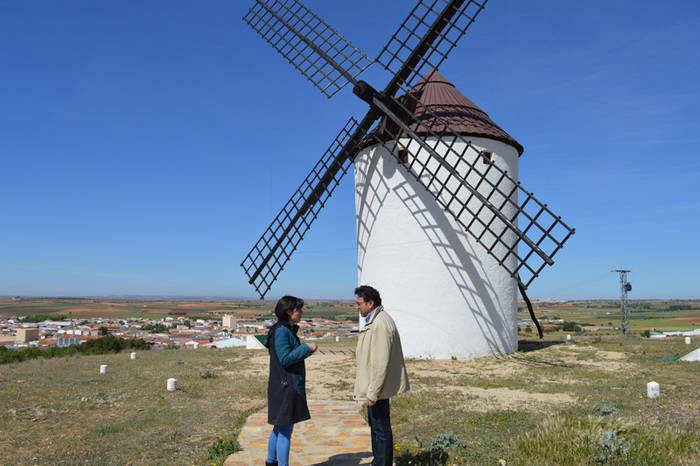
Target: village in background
164 323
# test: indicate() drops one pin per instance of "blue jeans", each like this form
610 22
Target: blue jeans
278 445
382 437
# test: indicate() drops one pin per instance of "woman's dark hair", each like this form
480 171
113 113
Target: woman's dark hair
367 293
286 304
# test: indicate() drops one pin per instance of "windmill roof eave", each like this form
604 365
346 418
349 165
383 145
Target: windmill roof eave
463 117
373 139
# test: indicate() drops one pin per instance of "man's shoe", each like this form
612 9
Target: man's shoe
270 463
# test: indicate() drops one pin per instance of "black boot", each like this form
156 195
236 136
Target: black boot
268 463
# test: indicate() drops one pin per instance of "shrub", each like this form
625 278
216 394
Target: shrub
441 449
222 448
157 328
605 408
447 442
41 318
103 345
612 449
570 326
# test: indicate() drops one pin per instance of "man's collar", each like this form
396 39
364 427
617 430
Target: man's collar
370 317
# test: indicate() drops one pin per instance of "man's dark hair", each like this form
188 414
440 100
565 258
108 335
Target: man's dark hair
286 304
367 293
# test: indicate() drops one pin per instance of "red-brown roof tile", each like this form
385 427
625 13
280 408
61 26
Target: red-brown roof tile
443 99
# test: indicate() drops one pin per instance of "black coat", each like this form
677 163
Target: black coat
286 404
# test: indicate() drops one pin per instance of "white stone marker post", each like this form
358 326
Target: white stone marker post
653 390
133 356
687 340
171 385
568 338
103 368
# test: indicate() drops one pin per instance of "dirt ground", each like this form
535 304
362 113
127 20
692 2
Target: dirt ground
330 375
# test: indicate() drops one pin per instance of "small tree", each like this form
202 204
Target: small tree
571 327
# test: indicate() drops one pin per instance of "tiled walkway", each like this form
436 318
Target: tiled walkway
336 434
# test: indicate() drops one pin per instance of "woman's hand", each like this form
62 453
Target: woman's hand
313 347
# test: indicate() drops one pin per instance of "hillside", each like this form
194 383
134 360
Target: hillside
551 403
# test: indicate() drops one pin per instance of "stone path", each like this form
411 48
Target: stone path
336 434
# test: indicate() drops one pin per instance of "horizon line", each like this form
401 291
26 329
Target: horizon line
208 297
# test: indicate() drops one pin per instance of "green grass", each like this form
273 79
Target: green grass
661 431
583 440
63 411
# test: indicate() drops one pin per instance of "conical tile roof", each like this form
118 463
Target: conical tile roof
443 99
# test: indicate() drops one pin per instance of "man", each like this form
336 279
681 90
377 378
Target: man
381 370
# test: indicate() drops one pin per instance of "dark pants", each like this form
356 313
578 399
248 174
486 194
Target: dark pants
382 437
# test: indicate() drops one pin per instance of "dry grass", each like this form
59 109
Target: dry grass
541 406
61 411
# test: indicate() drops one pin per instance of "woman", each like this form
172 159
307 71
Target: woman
286 391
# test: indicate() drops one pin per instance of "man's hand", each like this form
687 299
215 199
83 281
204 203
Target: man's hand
313 347
369 402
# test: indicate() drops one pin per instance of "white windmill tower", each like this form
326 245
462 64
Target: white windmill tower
448 296
445 231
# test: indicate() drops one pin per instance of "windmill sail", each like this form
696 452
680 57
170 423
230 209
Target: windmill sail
425 38
520 232
329 62
273 250
322 55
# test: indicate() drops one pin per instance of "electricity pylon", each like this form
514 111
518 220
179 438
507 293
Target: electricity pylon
625 286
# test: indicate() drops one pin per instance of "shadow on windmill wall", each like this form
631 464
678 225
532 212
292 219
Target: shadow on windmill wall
371 201
456 254
465 268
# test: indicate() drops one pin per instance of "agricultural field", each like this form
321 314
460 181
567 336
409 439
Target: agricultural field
156 309
578 402
659 315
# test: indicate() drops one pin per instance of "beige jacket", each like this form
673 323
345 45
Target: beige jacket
381 370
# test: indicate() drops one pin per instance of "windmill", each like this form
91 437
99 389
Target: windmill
453 290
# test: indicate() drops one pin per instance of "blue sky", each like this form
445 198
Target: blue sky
145 146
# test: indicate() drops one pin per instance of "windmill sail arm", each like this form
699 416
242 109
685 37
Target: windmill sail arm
266 260
314 48
425 39
481 196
